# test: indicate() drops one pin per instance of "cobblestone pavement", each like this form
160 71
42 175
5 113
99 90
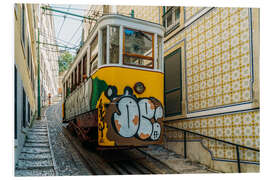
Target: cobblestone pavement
67 159
36 158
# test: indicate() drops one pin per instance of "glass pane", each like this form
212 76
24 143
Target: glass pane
93 47
173 102
94 64
114 44
104 45
138 42
169 20
177 14
131 60
172 71
159 58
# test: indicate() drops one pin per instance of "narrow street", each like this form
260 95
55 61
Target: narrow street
124 90
67 160
51 150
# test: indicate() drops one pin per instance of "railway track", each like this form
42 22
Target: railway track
118 162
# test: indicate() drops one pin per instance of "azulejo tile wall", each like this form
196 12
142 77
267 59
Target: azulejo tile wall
218 59
148 13
191 11
239 128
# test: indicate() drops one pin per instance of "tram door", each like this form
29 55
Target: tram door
173 83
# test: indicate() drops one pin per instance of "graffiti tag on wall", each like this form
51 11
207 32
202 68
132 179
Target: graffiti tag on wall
135 117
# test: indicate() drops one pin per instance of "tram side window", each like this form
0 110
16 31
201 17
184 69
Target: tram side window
94 64
114 44
138 47
159 54
84 67
104 45
93 55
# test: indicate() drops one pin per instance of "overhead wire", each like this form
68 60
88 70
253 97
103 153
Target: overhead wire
76 31
63 16
57 39
63 22
78 9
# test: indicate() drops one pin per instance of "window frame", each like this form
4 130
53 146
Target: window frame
23 27
178 50
109 43
175 22
137 55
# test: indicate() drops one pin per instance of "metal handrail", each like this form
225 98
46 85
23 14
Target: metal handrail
215 139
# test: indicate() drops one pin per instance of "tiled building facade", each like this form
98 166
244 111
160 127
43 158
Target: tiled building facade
220 80
211 59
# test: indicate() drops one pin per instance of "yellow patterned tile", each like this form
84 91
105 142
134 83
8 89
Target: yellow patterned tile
245 71
219 132
235 86
244 13
211 101
235 74
218 100
236 97
227 99
245 83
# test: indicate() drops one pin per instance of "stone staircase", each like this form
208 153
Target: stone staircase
176 161
36 158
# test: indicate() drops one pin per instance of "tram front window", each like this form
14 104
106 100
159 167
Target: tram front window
138 47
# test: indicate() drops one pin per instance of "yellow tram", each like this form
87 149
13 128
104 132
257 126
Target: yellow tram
113 91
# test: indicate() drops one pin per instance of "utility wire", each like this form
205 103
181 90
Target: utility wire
63 21
63 16
76 31
77 9
58 41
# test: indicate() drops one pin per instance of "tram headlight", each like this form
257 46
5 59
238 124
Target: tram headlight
139 87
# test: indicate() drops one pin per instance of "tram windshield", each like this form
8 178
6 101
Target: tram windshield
138 47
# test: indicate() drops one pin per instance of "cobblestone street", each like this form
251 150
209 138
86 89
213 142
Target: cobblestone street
67 160
49 152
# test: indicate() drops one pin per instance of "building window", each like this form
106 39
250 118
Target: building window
138 48
15 101
28 112
28 54
173 83
24 109
171 17
23 25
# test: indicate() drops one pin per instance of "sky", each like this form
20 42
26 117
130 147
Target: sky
68 30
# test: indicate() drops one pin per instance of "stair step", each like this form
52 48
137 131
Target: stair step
41 145
34 164
37 150
34 155
36 159
35 172
36 141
